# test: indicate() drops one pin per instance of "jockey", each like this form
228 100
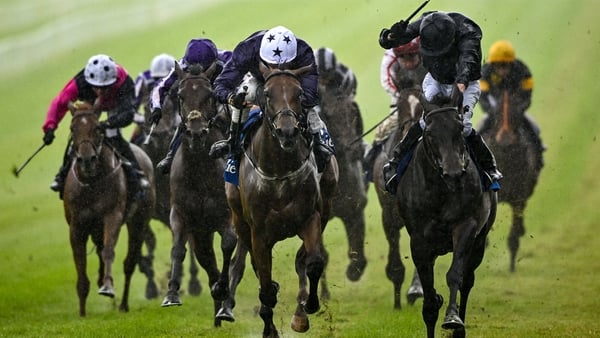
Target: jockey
451 51
334 75
276 48
200 54
401 68
108 87
503 72
160 67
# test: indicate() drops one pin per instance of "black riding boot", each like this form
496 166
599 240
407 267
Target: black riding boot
323 148
483 155
164 166
228 146
390 169
137 183
58 184
369 161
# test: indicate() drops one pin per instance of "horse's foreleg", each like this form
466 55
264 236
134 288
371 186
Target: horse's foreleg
178 251
220 290
203 243
355 233
78 241
136 232
146 262
262 261
516 232
394 269
432 302
194 285
112 226
236 272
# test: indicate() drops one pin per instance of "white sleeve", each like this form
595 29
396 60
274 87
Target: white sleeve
387 73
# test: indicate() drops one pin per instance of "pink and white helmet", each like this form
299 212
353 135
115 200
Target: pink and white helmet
278 46
100 71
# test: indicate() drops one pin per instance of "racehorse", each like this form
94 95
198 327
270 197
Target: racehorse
408 110
446 208
281 195
518 157
156 147
198 204
343 119
95 204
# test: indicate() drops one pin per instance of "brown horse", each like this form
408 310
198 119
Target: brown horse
198 204
343 119
445 208
409 110
518 158
156 147
95 203
280 195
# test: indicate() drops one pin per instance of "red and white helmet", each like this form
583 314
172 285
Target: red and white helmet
278 46
100 71
409 48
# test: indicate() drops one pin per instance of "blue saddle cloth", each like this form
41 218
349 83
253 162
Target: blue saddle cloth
231 168
486 181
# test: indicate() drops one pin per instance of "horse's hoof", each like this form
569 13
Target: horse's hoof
414 293
194 287
219 291
300 323
106 291
171 300
356 269
452 322
225 314
151 290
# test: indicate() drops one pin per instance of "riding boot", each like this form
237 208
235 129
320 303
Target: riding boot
58 184
137 182
164 166
483 155
228 146
323 148
390 169
369 160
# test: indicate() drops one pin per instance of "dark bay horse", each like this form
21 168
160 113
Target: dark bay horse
343 119
445 208
409 110
198 203
518 158
281 195
95 204
156 148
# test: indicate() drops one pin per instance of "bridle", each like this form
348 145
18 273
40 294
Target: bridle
428 148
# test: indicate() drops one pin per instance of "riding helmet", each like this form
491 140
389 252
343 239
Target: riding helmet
501 51
161 65
200 51
278 46
100 71
437 34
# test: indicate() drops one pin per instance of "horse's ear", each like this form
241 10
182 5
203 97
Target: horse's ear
456 97
179 71
211 70
303 70
427 106
264 69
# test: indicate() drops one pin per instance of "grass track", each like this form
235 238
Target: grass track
553 294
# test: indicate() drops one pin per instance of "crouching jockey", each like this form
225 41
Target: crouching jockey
278 48
109 88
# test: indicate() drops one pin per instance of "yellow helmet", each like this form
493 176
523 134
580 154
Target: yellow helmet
501 51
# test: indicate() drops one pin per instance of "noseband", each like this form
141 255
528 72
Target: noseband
286 111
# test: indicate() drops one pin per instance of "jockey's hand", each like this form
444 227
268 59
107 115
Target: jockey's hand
49 137
397 30
156 115
237 100
103 125
384 41
461 87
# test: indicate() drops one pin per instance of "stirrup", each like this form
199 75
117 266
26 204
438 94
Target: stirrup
390 176
56 186
164 166
495 174
219 149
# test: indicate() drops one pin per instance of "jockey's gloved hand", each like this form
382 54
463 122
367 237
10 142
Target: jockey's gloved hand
156 115
384 42
49 137
397 30
104 125
237 100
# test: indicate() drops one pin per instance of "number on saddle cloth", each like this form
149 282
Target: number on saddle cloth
233 161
